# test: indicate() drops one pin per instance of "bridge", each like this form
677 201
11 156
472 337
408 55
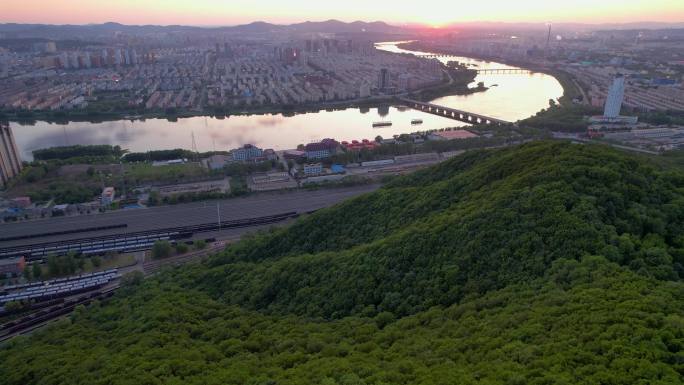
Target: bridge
452 113
433 56
484 70
504 71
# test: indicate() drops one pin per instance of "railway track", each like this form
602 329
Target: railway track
54 310
41 318
51 311
150 268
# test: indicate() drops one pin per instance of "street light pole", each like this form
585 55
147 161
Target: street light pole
218 215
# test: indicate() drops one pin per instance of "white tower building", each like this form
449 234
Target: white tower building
615 96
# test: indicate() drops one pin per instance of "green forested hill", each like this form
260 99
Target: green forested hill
548 263
470 225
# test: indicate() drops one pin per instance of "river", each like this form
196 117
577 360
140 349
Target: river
515 96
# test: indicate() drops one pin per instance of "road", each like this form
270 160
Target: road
183 214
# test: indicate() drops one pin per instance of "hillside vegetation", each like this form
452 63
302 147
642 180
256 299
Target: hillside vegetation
548 263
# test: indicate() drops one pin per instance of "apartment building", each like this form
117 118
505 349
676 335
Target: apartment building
10 162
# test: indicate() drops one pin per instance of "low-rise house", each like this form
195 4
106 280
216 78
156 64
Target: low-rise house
313 169
271 181
355 145
270 154
294 155
216 162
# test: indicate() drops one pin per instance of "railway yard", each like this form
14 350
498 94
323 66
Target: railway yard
136 231
84 289
140 220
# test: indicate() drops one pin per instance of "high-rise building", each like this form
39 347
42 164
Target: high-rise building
383 79
10 162
616 94
404 82
291 55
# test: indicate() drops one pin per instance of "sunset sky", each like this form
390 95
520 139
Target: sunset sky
431 12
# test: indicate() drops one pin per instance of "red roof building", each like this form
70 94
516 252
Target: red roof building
12 266
355 145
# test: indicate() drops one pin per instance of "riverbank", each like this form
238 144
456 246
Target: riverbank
65 117
455 83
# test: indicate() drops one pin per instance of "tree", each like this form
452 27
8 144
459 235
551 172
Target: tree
37 270
161 249
13 306
133 278
96 261
200 244
53 266
383 319
67 264
27 273
181 248
153 199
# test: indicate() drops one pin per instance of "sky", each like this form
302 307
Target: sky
430 12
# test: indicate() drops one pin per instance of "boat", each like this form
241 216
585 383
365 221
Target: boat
382 124
417 121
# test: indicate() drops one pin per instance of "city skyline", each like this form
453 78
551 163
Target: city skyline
435 13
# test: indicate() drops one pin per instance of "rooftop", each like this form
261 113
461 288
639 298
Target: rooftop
456 134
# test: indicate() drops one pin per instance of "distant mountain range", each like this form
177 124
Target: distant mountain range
328 26
564 26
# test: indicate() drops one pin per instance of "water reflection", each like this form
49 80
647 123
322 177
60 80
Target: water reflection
515 97
510 96
269 131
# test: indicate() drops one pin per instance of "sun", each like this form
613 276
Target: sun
438 21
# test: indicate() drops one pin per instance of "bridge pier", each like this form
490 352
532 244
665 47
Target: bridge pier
452 113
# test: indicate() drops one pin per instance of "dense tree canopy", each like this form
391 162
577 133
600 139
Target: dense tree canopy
545 263
78 151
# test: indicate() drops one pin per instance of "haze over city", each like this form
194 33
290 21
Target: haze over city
435 13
